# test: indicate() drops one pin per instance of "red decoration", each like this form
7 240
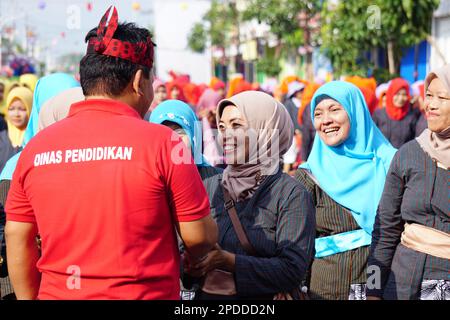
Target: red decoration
138 53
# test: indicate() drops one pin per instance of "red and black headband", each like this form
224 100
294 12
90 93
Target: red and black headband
138 53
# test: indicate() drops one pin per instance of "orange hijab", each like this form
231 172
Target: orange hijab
284 86
393 112
170 86
238 85
308 94
192 93
368 87
370 97
216 84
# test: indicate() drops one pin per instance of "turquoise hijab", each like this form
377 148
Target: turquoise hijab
46 88
182 114
352 173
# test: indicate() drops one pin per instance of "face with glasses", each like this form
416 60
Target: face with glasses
437 106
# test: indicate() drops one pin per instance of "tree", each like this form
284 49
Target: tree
353 28
215 27
219 27
289 21
405 23
197 39
345 36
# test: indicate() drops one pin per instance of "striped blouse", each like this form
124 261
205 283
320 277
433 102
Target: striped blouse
332 276
416 191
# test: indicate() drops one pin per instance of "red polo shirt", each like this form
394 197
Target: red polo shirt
103 189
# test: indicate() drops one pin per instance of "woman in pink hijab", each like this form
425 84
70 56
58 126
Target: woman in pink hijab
206 110
160 93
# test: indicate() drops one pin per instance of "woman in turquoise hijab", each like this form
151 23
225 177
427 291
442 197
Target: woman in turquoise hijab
180 117
345 173
46 88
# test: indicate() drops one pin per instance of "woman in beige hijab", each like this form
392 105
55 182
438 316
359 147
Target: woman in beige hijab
276 211
58 107
410 254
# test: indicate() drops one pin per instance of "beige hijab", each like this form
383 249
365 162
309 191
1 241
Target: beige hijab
58 107
437 144
272 129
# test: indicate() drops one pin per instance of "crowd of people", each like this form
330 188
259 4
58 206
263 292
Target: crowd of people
122 186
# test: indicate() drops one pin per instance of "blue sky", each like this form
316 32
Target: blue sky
49 23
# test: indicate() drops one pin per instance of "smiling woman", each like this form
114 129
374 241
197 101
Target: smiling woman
411 236
331 122
274 210
345 173
236 151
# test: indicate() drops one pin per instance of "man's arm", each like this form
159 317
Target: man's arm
199 236
188 198
22 256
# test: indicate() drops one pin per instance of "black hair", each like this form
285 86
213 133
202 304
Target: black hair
171 123
106 75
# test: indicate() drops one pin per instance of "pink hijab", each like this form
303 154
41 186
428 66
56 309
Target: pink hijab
209 100
437 144
156 84
269 120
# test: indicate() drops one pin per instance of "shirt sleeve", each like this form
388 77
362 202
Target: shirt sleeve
295 236
387 228
189 200
18 207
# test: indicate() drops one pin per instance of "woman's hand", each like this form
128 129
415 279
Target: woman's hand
215 259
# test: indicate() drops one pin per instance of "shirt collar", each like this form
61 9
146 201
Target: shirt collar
104 105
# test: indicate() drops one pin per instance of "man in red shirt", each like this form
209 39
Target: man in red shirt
102 189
